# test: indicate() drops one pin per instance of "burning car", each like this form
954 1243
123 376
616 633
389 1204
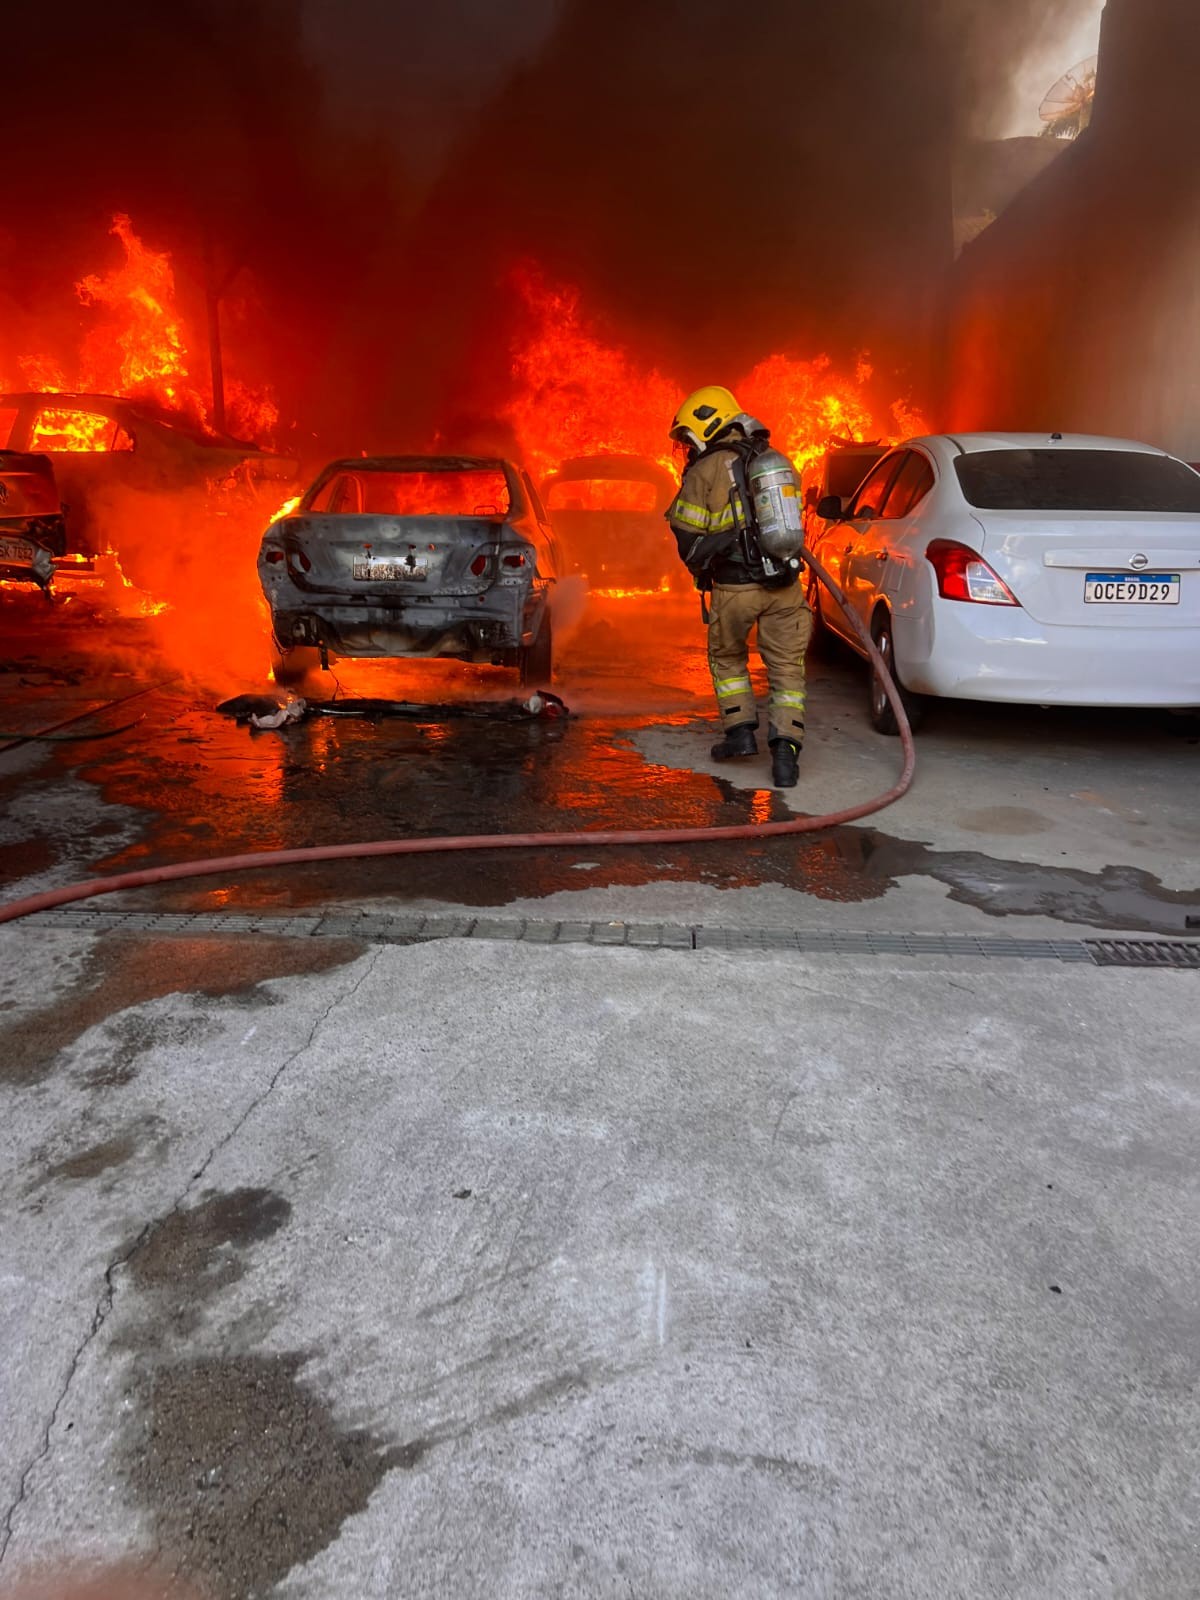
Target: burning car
394 556
608 512
32 525
98 443
839 470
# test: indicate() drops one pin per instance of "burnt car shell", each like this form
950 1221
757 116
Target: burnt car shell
615 546
371 584
136 445
32 525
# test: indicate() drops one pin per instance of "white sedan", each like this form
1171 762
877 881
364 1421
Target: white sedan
1043 570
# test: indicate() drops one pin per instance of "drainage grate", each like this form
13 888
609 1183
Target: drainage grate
1144 953
382 928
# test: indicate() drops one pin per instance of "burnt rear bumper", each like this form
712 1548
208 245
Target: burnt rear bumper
472 627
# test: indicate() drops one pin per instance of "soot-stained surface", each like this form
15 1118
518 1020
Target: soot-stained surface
185 1259
244 1470
125 971
95 1159
241 1467
191 1243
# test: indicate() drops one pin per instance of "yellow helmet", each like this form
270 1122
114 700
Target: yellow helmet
703 415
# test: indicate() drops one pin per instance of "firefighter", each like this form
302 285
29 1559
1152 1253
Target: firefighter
714 529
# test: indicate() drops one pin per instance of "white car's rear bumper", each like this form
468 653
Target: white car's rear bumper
974 652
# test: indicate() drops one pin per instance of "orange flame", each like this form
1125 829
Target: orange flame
575 394
137 347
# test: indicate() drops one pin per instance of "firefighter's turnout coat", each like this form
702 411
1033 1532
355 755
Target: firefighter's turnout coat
710 545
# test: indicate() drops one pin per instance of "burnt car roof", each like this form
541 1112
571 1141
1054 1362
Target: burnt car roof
418 464
116 406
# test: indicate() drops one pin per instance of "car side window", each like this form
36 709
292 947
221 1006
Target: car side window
868 502
67 429
910 486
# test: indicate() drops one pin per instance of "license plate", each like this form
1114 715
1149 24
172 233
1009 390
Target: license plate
16 552
412 570
1118 588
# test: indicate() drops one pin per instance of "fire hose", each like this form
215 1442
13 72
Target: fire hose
223 866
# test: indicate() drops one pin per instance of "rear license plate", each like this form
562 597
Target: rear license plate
412 570
16 552
1118 588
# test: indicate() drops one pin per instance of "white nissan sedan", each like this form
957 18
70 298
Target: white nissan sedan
1044 570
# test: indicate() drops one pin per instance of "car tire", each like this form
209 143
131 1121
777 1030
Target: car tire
883 718
535 663
291 665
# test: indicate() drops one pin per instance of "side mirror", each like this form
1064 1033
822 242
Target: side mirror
829 508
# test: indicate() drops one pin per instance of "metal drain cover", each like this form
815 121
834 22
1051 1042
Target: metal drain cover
1143 953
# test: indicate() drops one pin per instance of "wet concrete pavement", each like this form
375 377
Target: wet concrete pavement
475 1268
1085 819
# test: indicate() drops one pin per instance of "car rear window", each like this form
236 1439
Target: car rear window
1077 480
471 493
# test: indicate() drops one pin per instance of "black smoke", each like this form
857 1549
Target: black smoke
207 123
723 182
720 181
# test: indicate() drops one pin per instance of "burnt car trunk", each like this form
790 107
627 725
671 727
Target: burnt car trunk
349 576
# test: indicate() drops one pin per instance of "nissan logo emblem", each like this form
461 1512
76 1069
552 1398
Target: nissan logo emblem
1139 562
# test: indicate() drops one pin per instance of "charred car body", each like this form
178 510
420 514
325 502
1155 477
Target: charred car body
608 513
99 443
396 556
32 524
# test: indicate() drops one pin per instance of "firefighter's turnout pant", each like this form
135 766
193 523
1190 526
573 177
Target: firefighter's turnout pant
784 629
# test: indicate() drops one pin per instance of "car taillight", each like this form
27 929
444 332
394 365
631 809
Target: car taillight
479 566
301 560
514 560
963 575
273 556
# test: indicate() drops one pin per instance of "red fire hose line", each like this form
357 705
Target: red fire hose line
222 866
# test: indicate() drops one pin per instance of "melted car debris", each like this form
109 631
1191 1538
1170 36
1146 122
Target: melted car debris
262 711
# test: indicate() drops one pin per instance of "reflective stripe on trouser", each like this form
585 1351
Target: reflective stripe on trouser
784 628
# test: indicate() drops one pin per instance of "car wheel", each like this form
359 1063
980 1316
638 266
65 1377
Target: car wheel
290 665
536 662
883 718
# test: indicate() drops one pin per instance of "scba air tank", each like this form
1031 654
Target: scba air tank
775 496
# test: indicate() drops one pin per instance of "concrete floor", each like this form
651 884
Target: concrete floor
475 1268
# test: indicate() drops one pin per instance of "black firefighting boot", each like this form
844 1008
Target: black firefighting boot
738 742
785 764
